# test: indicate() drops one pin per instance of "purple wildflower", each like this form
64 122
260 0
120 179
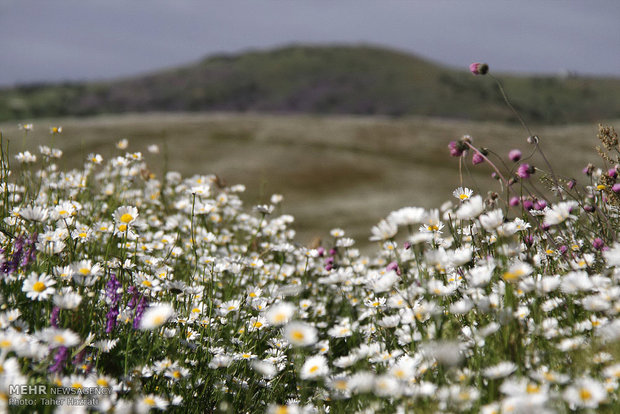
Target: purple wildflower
616 188
114 298
140 308
598 243
59 360
135 296
31 253
54 316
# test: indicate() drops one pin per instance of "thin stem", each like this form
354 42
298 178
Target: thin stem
512 108
488 162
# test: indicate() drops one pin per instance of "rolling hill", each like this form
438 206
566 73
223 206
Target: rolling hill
361 80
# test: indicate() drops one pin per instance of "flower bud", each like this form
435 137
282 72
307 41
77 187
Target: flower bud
514 155
479 68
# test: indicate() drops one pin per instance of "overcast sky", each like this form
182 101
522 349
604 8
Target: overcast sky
48 40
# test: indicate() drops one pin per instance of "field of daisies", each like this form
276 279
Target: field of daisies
122 291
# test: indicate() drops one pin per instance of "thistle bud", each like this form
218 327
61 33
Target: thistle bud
514 155
479 68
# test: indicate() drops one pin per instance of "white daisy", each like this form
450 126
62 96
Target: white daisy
39 287
300 334
156 316
314 367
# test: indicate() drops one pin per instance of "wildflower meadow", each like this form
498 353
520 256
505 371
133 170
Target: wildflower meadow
122 291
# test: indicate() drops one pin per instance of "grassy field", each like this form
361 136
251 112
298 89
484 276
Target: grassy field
334 171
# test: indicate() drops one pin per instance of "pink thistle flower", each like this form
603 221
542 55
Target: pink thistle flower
525 171
455 149
477 158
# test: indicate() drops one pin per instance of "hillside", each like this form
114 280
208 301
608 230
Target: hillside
327 80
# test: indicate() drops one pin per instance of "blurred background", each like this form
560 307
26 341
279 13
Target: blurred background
346 108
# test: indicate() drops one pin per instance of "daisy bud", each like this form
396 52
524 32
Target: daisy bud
514 155
479 68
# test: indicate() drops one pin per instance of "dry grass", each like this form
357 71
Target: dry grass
344 172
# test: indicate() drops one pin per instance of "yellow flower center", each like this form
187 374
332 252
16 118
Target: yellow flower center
584 394
147 283
158 320
59 338
102 382
463 197
84 271
149 401
76 385
126 218
298 335
532 388
5 343
38 287
314 369
122 227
